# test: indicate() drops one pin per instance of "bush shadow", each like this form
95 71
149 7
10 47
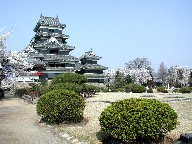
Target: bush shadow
107 139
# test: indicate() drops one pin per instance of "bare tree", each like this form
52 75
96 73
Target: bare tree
162 73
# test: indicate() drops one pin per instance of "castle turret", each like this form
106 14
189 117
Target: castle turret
90 68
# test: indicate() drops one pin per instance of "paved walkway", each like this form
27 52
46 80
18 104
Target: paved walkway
19 124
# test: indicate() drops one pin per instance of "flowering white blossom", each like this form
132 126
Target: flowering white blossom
12 64
140 70
3 38
140 76
178 76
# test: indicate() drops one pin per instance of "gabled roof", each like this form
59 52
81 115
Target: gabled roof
25 52
52 42
90 55
48 21
30 52
28 49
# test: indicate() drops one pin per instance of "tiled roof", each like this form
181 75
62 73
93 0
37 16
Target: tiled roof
36 55
30 52
90 55
60 58
28 49
93 66
54 43
48 21
52 34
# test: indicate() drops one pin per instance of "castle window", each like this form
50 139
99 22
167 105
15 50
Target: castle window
53 51
51 30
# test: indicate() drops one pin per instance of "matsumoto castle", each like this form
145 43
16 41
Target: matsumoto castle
50 54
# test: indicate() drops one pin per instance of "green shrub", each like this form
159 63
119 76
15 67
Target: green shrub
128 88
120 89
60 106
67 86
138 119
135 88
104 89
138 89
43 89
69 78
90 88
185 90
150 90
162 89
114 90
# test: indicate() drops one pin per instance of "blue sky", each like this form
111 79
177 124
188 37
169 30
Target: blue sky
116 30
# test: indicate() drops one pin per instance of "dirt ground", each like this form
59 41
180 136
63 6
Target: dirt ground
19 124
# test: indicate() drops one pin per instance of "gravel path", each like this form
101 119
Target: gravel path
19 125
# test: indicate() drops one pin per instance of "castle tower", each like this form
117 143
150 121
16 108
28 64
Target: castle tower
49 46
90 68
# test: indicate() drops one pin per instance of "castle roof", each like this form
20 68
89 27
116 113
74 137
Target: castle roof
30 52
48 21
93 66
54 43
61 58
90 55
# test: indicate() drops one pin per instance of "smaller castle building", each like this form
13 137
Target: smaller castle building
90 68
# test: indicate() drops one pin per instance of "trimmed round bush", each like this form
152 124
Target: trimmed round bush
69 78
138 89
137 119
90 88
162 89
135 88
185 90
60 106
67 86
128 88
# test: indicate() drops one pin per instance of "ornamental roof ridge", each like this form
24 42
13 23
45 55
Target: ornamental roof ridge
53 39
90 55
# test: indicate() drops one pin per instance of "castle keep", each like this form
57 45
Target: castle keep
50 54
